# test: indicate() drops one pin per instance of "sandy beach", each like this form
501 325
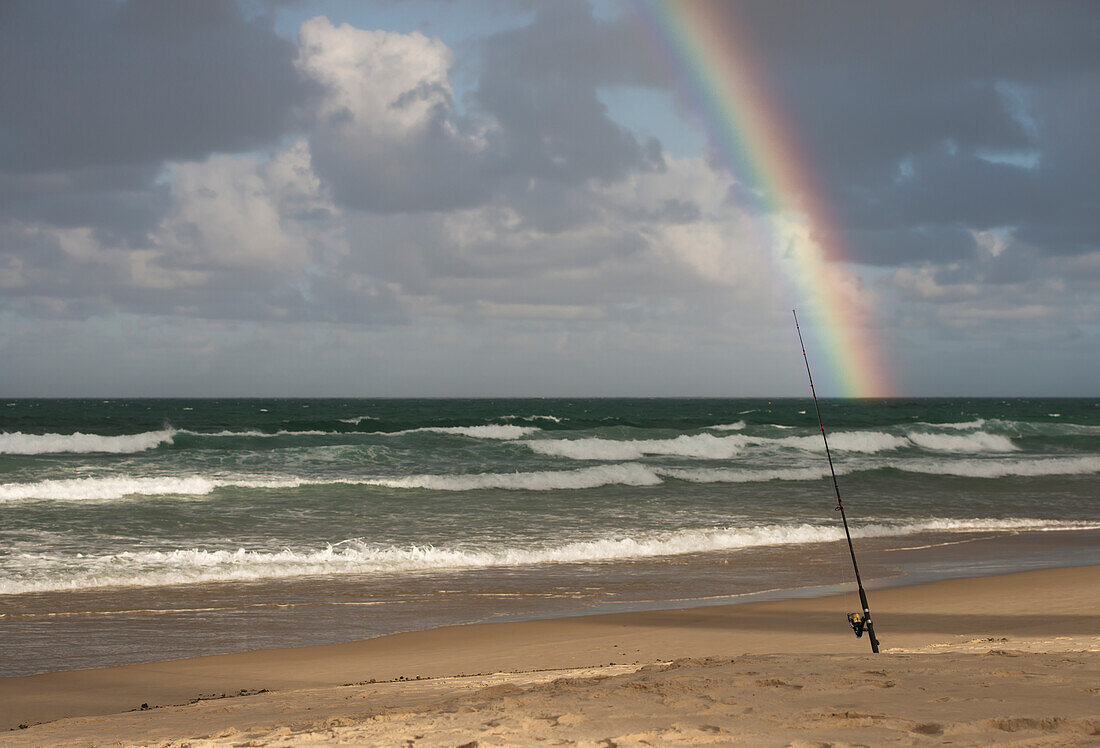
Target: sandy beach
1012 659
549 372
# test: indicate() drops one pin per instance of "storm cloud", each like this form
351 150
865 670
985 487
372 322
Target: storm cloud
935 118
105 84
223 175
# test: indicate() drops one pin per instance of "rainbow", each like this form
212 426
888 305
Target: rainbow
712 63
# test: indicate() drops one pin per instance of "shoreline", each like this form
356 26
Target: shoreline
57 632
1036 611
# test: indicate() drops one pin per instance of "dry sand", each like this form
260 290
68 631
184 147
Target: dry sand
1012 660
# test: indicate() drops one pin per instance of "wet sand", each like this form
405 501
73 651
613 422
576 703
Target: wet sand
99 628
1012 658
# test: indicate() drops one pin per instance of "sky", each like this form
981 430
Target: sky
524 198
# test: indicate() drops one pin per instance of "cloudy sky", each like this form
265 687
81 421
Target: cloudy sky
517 198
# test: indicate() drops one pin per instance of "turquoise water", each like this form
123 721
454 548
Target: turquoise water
187 499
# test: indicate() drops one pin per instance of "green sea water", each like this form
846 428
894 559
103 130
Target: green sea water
162 505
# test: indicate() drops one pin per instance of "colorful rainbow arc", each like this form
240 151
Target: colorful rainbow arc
713 66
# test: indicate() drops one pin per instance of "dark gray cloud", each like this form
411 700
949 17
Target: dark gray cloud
121 202
95 97
180 161
540 83
566 43
556 130
98 83
898 246
430 170
922 122
934 117
532 124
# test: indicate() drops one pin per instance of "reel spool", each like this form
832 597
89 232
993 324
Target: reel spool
859 623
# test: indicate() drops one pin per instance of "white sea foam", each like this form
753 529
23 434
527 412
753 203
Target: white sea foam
1001 468
866 442
46 572
553 419
709 446
19 443
738 426
113 488
722 475
984 525
1042 428
34 444
118 487
358 419
102 489
960 426
698 445
261 434
491 431
482 432
979 441
629 474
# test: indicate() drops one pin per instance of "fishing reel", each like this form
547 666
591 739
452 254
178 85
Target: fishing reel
859 622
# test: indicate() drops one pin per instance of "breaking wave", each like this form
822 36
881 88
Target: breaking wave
118 487
18 443
709 446
976 468
491 431
699 445
1021 428
110 488
593 477
722 475
979 441
47 572
257 433
737 426
866 442
960 426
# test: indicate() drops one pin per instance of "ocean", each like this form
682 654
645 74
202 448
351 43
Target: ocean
139 530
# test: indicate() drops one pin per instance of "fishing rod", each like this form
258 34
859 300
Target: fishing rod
860 623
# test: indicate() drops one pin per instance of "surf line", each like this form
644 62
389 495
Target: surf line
705 49
860 622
